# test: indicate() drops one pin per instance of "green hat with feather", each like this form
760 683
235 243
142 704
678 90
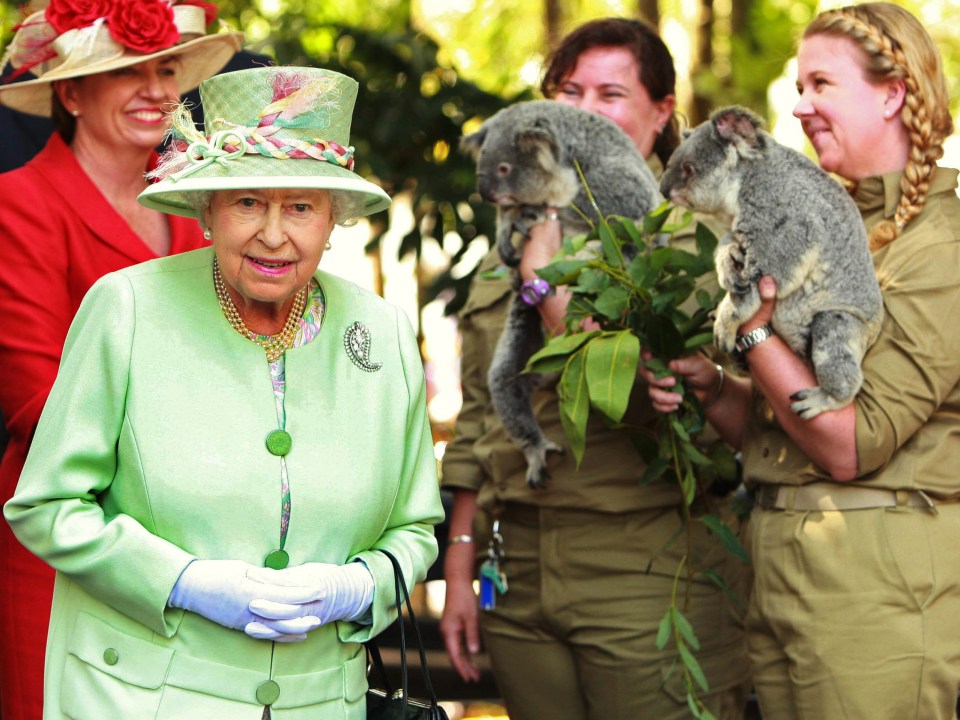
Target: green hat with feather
270 127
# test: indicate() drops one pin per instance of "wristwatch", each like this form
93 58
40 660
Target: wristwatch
534 290
756 336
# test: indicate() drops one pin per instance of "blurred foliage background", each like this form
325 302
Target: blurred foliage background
432 70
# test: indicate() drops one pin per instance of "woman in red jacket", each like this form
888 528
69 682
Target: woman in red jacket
70 216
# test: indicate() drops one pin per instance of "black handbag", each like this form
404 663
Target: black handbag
384 703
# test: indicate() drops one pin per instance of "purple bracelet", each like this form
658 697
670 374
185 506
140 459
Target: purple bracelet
533 291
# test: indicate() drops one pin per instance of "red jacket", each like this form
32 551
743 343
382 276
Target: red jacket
58 235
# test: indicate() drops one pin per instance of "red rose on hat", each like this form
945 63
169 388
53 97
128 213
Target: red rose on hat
65 15
143 25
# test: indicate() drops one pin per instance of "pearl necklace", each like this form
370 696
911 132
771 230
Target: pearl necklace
274 345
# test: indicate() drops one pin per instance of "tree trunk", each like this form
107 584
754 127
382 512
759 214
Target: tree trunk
649 11
703 59
552 22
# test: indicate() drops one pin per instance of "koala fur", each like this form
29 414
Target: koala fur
790 220
525 163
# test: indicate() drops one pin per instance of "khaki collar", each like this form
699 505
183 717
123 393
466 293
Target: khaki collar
883 191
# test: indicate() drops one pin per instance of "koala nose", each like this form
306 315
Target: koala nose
665 184
485 188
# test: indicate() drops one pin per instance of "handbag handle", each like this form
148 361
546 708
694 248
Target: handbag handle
400 584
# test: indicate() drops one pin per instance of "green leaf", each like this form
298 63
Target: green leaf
693 667
646 445
545 365
716 578
725 536
706 241
697 341
707 715
694 455
685 628
655 470
612 302
655 219
689 487
574 404
704 300
678 428
611 370
591 280
662 338
663 631
562 272
694 705
561 345
611 248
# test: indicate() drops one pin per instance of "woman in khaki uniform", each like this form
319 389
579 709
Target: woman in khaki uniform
856 605
574 635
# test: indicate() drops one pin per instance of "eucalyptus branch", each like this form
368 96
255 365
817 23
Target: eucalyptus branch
643 295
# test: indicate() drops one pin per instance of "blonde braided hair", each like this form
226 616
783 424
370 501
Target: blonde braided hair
913 58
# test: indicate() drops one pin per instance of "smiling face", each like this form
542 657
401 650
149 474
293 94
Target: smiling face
853 124
269 243
606 81
125 106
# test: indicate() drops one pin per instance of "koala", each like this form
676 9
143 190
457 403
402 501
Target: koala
788 219
525 163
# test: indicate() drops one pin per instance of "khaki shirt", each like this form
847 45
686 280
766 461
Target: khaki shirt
908 411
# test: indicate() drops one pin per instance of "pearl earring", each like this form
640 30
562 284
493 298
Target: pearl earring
207 235
75 112
328 245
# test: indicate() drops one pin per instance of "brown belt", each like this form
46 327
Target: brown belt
834 496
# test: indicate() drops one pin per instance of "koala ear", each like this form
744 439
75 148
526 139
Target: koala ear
470 144
739 127
537 135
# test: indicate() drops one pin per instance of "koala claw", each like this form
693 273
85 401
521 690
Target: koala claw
810 402
537 471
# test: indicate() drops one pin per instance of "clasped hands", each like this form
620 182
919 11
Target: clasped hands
280 605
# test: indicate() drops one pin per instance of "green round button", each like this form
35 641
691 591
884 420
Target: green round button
111 656
277 560
267 692
279 442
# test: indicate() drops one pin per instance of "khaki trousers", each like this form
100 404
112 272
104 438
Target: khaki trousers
855 614
574 638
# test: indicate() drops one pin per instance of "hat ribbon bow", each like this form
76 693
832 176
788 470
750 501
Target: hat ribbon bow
204 151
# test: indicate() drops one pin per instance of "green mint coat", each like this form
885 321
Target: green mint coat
151 452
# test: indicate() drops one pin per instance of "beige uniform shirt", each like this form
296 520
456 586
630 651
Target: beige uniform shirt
908 411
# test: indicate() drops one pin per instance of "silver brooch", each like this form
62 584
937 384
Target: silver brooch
357 343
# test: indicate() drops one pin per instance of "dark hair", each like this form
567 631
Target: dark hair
657 73
63 121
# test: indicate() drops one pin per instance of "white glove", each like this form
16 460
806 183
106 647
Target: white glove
221 591
341 592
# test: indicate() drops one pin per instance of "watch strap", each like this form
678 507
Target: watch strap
749 340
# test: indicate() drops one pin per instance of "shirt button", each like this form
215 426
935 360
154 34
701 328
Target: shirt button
111 656
267 692
279 442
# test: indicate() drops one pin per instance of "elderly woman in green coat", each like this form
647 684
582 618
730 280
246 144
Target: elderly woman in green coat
232 436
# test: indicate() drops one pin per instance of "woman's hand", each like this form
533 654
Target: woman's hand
459 624
222 590
338 592
699 374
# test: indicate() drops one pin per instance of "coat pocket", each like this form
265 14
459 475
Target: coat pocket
108 673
